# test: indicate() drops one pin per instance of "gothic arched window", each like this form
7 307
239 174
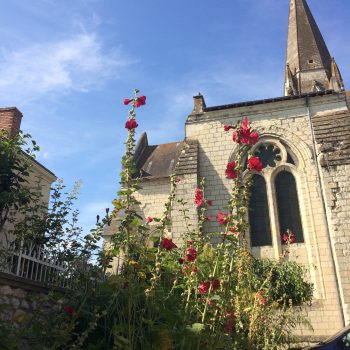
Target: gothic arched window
274 194
288 205
260 229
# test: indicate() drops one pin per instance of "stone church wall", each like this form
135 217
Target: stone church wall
286 122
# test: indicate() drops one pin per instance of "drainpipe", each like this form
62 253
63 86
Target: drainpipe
320 188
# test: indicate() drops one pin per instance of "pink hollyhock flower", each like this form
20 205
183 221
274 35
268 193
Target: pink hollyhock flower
216 284
232 231
177 180
131 124
191 253
168 244
141 101
227 127
231 173
208 218
254 163
69 310
149 219
223 218
198 197
245 123
289 237
254 138
203 287
127 101
261 298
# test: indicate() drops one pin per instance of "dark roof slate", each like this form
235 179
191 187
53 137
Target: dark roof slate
332 133
188 160
159 161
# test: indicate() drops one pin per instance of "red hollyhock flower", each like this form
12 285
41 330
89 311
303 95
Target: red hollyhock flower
227 127
289 237
261 298
208 218
168 244
245 123
230 322
131 124
235 136
232 231
141 101
191 253
254 163
149 219
198 199
69 310
223 218
127 101
254 137
203 287
216 284
231 173
209 202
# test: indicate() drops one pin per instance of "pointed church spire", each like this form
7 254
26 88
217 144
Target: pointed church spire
310 63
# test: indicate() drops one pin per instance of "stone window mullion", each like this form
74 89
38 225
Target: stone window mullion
273 212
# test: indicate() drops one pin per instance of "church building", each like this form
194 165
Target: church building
305 183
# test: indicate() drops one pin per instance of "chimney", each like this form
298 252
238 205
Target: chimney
10 120
199 104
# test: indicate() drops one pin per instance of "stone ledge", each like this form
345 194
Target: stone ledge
23 283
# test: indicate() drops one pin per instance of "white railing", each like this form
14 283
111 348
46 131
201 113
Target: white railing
37 263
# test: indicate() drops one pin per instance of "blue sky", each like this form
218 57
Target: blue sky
67 65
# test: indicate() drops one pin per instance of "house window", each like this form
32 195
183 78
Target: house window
274 190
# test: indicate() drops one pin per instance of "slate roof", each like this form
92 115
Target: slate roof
188 160
159 161
305 41
332 133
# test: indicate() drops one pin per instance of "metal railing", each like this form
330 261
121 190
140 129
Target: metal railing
37 263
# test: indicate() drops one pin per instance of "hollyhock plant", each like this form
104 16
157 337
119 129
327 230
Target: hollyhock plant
191 253
198 199
231 172
289 237
254 163
127 101
245 135
232 231
131 124
140 101
254 138
216 284
203 287
69 310
168 244
223 218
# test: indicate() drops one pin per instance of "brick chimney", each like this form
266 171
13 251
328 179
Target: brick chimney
10 120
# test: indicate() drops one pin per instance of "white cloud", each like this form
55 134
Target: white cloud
75 64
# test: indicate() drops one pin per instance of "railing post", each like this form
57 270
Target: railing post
19 259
